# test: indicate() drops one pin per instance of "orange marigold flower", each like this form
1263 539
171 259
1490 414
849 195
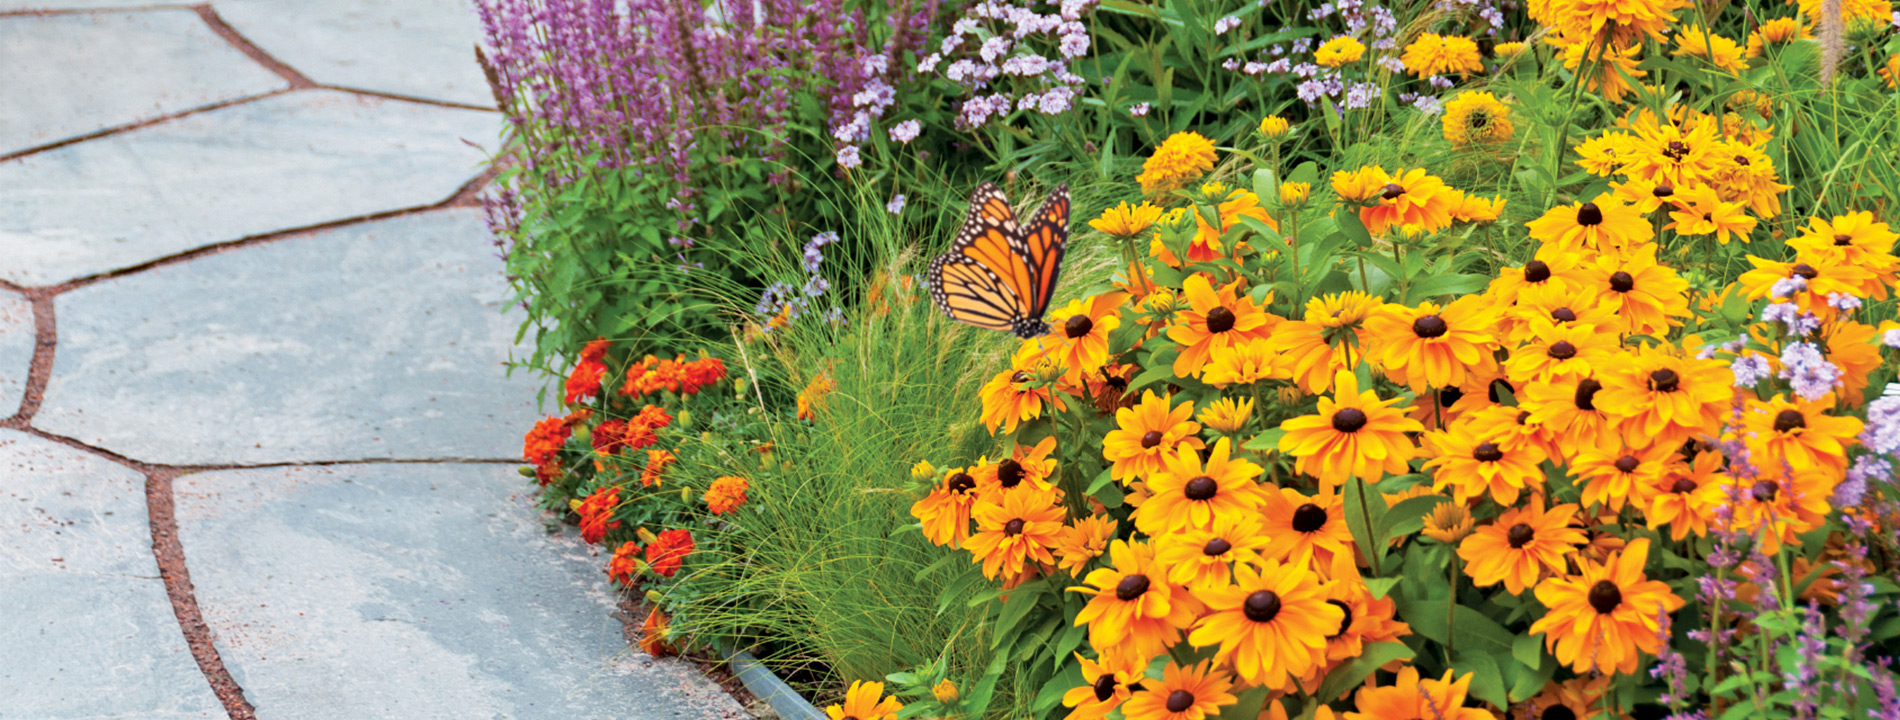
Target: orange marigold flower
654 633
726 494
542 444
1604 616
657 462
669 551
624 564
597 513
583 383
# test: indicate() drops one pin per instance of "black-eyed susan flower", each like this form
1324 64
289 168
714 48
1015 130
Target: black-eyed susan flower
1476 118
1148 432
1269 623
1555 351
864 701
1434 54
1604 225
1243 363
1126 221
1183 158
1410 698
1408 199
1448 523
1776 33
1368 620
1190 494
1354 434
1809 281
1308 531
1214 320
1475 465
1777 506
1201 558
1686 498
1274 127
1019 529
1431 346
1028 468
1699 210
1581 697
1563 305
1325 341
1648 296
1567 409
1612 67
1798 433
1227 415
1605 616
1659 398
1614 476
1184 693
1104 690
945 512
1134 612
1476 209
1855 239
1521 546
1083 542
1080 331
1017 394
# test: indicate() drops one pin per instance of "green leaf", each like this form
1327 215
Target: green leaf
1248 705
1407 517
1528 649
1477 632
1021 600
1267 440
1381 586
1354 672
1052 691
1487 681
1362 516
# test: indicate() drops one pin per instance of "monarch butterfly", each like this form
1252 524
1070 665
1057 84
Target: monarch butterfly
1000 274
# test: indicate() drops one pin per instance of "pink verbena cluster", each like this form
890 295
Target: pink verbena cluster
1009 58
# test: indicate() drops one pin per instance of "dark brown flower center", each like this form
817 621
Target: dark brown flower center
1604 596
1392 191
1683 486
1627 464
1131 587
961 483
1009 473
1564 314
1520 535
1430 326
1558 712
1262 606
1220 320
1078 326
1843 240
1105 687
1805 270
1180 701
1348 420
1216 547
1309 518
1664 380
1789 420
1765 490
1563 350
1450 396
1151 438
1741 160
1479 118
1345 623
1663 191
1589 214
1622 282
1487 452
1676 150
1201 488
1586 398
1013 527
1536 271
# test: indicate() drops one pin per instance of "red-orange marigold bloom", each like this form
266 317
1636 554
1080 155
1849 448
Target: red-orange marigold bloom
657 462
668 552
624 564
583 383
726 494
597 514
653 635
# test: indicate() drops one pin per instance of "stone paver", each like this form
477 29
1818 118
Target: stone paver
414 48
83 73
413 591
28 5
372 341
284 162
88 629
16 350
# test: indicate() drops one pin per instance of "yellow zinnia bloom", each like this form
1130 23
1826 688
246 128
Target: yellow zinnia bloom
1434 54
1339 51
1182 158
1476 118
1126 220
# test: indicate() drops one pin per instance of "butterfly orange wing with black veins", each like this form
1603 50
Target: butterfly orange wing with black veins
999 275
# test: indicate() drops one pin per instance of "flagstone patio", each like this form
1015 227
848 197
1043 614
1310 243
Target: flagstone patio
257 438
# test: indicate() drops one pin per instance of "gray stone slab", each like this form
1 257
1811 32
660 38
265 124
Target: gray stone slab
416 592
372 341
414 48
16 350
32 5
284 162
88 629
82 73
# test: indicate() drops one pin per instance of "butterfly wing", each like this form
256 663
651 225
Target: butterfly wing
969 292
1044 241
975 282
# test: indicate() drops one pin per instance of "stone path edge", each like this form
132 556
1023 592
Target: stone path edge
167 549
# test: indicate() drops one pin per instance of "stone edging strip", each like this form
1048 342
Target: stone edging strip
765 685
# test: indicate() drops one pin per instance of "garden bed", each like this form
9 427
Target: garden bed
1408 360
